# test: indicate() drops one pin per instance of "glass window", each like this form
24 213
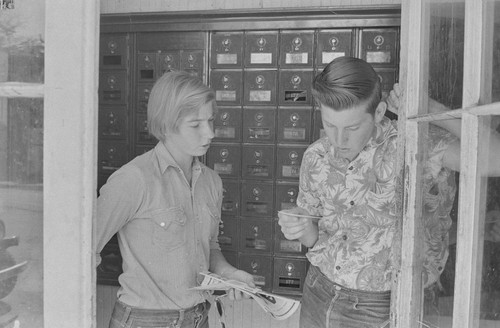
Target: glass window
21 171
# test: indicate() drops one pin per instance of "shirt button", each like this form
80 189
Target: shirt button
337 267
351 168
162 224
351 202
344 237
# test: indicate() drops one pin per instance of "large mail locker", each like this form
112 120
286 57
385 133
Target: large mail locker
261 67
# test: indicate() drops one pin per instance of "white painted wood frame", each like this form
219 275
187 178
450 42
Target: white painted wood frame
407 301
69 157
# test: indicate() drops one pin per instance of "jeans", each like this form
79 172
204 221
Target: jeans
125 316
326 304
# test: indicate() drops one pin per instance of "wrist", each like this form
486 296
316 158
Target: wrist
226 272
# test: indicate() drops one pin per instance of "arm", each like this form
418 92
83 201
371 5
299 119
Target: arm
118 201
220 266
451 158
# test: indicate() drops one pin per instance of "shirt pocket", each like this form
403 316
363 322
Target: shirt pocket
169 228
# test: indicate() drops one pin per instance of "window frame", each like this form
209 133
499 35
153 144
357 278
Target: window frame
407 302
69 156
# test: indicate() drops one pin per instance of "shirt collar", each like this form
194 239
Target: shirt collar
165 159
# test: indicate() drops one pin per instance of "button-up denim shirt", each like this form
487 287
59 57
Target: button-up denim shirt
166 228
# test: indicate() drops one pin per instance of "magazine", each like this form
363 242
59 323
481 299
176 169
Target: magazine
279 307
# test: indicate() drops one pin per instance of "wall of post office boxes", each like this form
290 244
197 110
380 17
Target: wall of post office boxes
266 119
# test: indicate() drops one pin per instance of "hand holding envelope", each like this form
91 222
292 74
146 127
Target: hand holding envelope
297 223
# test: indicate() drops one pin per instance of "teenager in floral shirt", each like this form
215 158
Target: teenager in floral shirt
348 179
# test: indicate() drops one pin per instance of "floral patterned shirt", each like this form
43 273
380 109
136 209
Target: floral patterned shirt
357 203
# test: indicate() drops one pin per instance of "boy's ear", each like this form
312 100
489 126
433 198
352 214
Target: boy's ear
380 111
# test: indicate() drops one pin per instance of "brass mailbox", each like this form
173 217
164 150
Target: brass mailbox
260 87
227 124
286 195
257 198
228 233
113 122
169 61
226 50
143 92
225 159
261 49
288 160
112 155
259 125
289 275
379 47
113 51
227 86
296 49
147 67
332 44
142 135
260 266
113 87
231 197
192 62
294 125
295 88
256 235
258 161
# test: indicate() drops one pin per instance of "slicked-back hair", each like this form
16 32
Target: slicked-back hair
347 82
174 96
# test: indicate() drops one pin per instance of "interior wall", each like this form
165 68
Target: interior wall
134 6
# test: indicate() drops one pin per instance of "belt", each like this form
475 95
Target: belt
124 312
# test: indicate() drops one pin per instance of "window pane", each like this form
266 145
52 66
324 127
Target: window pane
495 48
21 158
446 51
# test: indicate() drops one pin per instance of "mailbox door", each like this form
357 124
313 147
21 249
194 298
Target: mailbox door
169 61
113 51
289 275
227 50
260 267
227 86
143 92
112 155
333 44
296 49
260 88
192 62
288 160
113 123
147 66
228 233
286 195
257 198
225 159
379 47
259 125
231 197
256 235
113 87
261 49
295 88
258 162
142 133
294 125
227 124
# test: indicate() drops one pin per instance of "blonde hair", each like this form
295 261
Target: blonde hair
175 95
